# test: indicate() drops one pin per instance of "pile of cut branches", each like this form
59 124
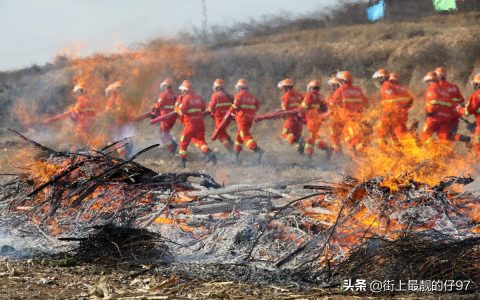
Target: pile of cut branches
113 246
67 192
415 256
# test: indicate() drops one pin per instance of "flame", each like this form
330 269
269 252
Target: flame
164 220
430 162
140 70
44 171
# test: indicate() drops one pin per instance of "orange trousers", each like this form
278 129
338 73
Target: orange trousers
395 127
83 129
223 136
336 133
313 133
292 129
433 125
476 138
193 133
244 137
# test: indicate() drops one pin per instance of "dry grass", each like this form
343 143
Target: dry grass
409 47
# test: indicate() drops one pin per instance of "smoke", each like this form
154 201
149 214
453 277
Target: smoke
48 92
21 246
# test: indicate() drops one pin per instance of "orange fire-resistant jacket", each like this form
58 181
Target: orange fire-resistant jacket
191 109
219 104
245 105
438 103
350 99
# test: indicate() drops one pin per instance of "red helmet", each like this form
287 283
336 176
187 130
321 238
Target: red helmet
431 76
344 76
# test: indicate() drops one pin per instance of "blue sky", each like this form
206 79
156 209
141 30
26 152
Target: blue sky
34 31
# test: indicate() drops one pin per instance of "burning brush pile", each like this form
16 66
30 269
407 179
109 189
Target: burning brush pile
304 231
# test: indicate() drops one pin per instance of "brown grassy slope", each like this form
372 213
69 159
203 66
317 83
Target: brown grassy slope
411 48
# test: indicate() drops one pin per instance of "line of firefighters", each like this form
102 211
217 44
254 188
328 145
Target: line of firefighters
345 106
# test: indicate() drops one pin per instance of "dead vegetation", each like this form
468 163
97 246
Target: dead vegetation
414 256
311 232
113 246
36 279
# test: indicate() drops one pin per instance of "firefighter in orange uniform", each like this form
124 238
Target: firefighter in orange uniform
220 103
336 125
83 113
191 109
292 128
473 108
315 107
439 108
122 126
350 102
244 107
396 101
455 97
165 105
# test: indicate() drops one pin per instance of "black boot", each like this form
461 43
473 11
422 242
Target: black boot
259 152
230 145
301 147
237 156
174 147
328 150
182 163
211 157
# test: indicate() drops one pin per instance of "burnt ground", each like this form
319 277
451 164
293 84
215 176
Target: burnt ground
42 279
64 279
